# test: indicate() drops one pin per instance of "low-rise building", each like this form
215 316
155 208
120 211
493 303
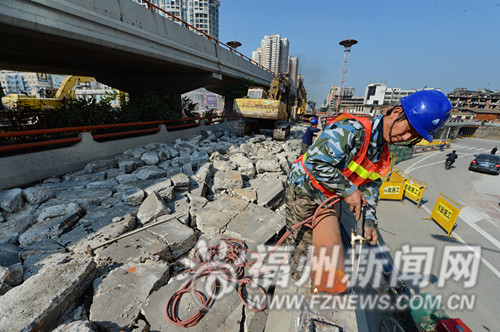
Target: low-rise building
485 104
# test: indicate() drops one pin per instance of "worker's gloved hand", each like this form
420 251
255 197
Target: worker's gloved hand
355 202
371 235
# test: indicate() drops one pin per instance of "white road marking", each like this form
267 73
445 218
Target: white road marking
459 238
475 215
485 262
413 168
470 214
416 163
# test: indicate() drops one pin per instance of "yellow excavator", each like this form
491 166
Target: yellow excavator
66 90
301 110
265 109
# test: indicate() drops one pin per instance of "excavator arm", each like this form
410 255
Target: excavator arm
69 83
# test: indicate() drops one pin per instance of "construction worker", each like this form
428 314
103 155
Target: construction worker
442 145
347 159
307 139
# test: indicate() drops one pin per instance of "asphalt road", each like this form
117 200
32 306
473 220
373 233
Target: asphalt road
478 224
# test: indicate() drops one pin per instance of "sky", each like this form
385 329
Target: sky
407 44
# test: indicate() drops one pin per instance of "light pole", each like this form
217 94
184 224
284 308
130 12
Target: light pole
347 43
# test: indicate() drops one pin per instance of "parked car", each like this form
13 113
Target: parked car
486 162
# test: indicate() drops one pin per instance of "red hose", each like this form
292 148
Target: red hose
230 266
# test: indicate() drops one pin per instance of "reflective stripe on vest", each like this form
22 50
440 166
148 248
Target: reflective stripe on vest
363 173
360 170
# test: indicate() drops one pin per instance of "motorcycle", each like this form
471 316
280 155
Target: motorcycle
447 164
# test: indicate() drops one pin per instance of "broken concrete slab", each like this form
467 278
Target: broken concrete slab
214 217
108 184
126 178
39 303
246 194
135 248
218 318
37 195
150 158
117 227
227 179
270 191
224 165
159 186
180 181
9 254
113 173
96 227
130 194
204 172
179 237
130 165
57 211
93 197
36 261
17 224
10 277
270 164
135 152
49 227
150 173
163 154
152 208
100 165
120 295
82 176
76 326
180 204
12 200
196 204
255 224
46 247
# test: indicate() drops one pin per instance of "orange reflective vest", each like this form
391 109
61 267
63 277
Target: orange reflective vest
360 170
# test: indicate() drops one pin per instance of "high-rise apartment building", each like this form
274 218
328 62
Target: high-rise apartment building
273 54
202 14
293 69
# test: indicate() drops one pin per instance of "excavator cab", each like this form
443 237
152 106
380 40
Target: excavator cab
257 93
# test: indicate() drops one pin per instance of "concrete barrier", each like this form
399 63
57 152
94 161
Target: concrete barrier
425 148
24 169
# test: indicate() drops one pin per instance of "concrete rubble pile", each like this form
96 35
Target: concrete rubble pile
211 186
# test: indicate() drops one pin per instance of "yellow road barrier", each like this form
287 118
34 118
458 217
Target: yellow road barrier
445 213
392 190
397 175
414 189
391 166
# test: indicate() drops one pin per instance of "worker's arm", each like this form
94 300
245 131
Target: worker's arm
371 193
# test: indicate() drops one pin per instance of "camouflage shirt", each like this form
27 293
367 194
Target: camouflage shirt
334 149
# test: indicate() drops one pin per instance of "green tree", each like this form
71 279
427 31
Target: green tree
188 107
2 94
239 90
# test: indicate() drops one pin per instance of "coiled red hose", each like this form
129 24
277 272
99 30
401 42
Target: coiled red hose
227 261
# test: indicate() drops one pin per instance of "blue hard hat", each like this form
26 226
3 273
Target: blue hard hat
314 121
427 111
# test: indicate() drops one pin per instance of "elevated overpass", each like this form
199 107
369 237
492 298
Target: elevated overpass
119 42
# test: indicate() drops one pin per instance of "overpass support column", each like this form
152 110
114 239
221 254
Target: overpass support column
228 105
